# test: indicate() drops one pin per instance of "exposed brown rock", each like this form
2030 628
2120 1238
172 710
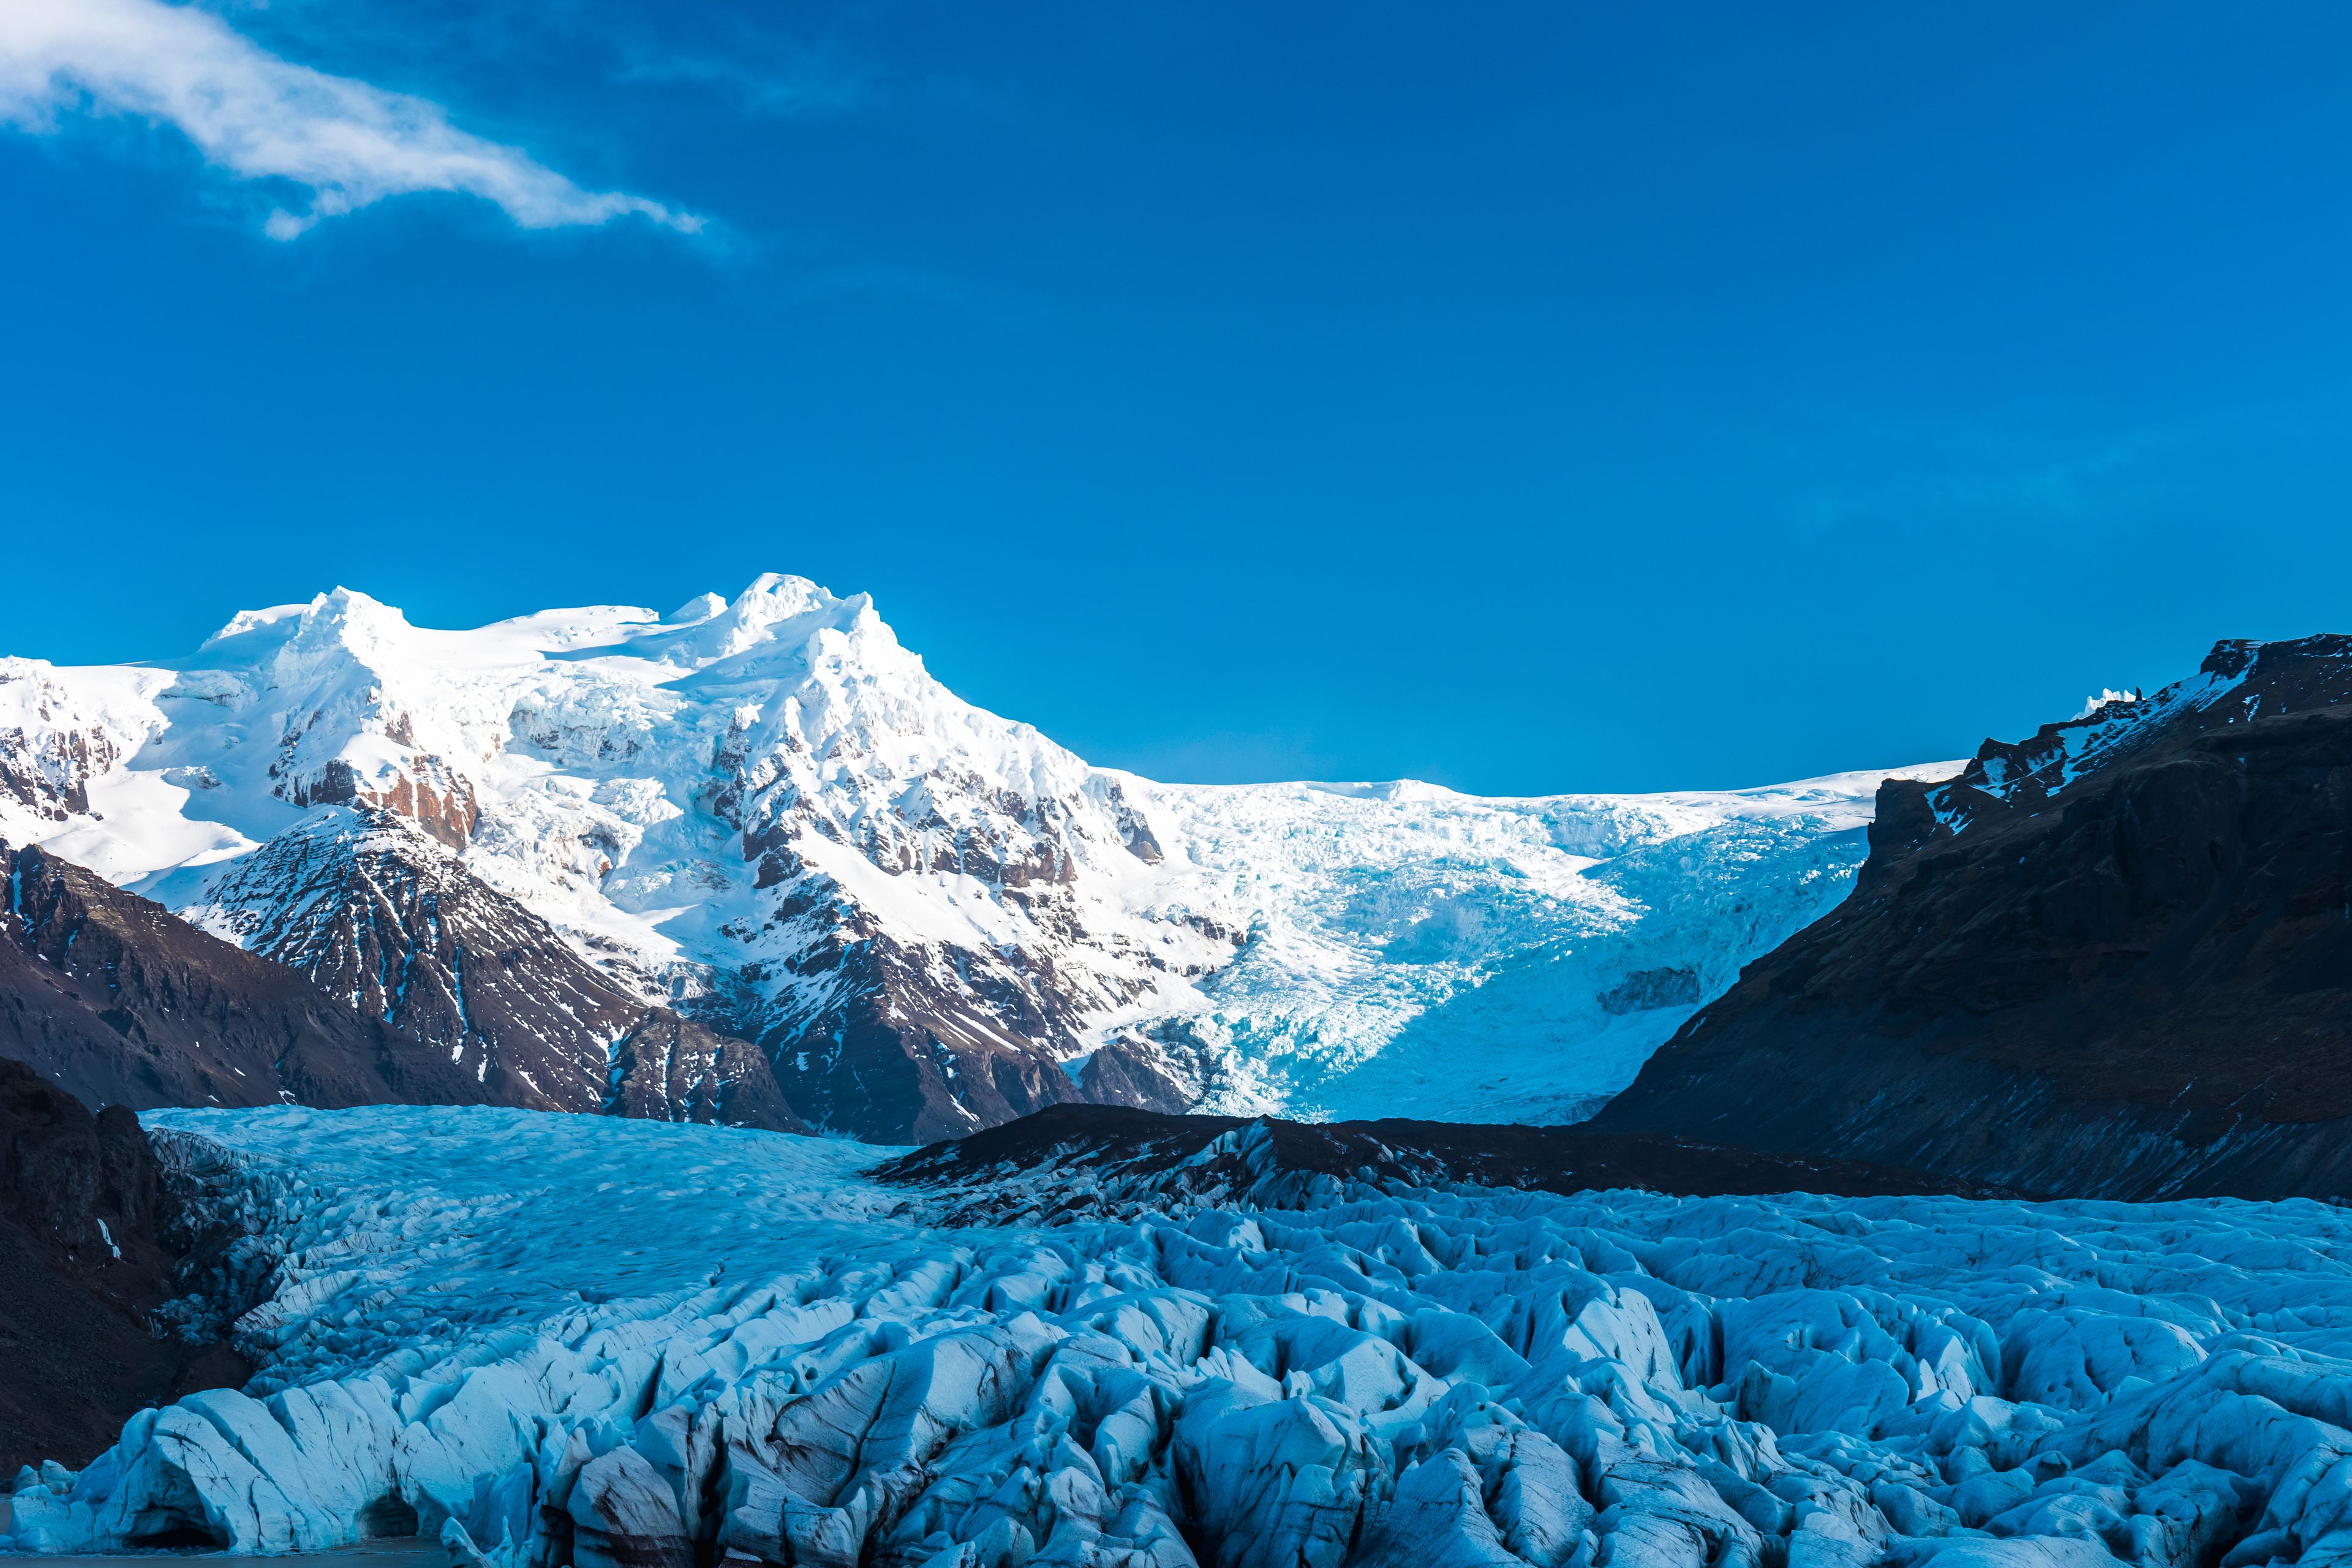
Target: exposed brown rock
437 799
377 913
122 1002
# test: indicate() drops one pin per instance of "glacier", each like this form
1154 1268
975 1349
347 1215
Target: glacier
550 1339
766 813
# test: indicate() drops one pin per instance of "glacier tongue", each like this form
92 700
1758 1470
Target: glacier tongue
767 811
558 1339
1417 952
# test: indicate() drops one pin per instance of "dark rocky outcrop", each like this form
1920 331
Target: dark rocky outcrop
85 1254
1076 1161
2113 960
1131 1073
667 1067
122 1002
903 1044
1647 989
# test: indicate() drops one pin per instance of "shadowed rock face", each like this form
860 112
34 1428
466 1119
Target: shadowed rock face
667 1067
84 1255
904 1051
122 1002
2112 960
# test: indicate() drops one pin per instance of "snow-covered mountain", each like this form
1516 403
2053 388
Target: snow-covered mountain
767 814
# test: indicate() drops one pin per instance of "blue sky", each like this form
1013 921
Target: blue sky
1527 398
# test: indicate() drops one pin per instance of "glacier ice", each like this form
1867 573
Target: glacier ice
551 1338
712 804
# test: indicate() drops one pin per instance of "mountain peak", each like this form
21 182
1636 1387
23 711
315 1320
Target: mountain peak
340 624
283 644
931 917
800 607
245 621
776 617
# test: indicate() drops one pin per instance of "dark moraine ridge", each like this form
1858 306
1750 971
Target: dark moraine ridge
2114 959
1090 1159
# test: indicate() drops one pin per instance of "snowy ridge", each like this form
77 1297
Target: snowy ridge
552 1340
767 812
2238 682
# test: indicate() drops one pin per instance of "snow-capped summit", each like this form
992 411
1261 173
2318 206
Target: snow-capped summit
766 810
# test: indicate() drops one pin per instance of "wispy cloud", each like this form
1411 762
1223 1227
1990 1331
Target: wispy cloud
807 86
348 143
2026 467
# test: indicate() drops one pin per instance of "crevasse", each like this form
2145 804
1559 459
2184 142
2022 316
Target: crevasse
558 1339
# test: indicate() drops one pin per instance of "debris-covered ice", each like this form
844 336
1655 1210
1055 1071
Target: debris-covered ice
559 1339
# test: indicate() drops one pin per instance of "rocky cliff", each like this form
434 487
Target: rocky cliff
85 1255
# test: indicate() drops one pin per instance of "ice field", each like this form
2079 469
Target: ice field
549 1339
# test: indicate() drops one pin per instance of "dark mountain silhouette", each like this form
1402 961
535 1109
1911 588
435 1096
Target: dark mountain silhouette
2112 960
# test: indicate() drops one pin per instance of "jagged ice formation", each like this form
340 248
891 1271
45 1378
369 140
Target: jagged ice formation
554 1338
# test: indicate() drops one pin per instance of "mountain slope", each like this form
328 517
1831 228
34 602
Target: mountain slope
767 814
2115 959
375 911
121 1002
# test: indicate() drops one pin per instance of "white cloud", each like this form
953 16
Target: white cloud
262 117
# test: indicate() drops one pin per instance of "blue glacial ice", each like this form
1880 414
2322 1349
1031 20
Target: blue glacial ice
553 1340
